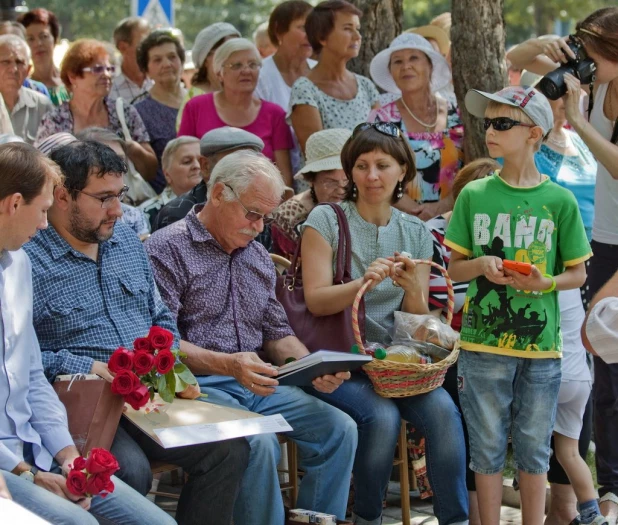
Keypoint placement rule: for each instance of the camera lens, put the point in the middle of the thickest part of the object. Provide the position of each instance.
(552, 85)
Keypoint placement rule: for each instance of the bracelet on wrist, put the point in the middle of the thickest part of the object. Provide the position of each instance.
(553, 283)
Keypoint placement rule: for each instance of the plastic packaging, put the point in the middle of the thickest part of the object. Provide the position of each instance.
(424, 328)
(405, 354)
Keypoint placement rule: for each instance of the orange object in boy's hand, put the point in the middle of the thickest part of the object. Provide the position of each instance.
(516, 266)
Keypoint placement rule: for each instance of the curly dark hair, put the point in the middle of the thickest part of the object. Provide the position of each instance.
(155, 39)
(81, 159)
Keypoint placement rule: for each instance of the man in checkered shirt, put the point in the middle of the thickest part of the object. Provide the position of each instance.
(93, 292)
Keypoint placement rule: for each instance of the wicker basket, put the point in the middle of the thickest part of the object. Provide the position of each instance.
(394, 379)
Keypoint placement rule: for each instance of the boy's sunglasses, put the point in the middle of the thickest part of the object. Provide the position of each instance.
(503, 123)
(386, 128)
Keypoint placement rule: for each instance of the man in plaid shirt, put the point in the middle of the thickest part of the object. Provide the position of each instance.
(93, 292)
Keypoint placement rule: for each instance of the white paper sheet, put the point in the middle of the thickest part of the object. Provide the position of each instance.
(207, 433)
(11, 512)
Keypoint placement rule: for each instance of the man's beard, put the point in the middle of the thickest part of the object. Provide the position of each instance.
(83, 231)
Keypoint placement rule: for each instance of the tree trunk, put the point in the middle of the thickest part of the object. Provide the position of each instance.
(478, 53)
(380, 24)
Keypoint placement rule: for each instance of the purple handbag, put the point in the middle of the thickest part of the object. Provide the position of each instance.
(328, 332)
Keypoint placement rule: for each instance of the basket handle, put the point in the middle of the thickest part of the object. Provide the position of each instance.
(450, 302)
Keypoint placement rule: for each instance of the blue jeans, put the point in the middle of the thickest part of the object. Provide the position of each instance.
(326, 439)
(124, 505)
(379, 421)
(501, 394)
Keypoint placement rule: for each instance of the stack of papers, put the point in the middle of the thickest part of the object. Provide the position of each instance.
(323, 362)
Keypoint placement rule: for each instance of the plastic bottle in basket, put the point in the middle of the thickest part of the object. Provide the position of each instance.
(372, 349)
(405, 354)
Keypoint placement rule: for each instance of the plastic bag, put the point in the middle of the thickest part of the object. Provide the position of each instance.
(424, 328)
(406, 354)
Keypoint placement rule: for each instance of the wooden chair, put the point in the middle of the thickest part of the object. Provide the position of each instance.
(160, 467)
(401, 460)
(290, 486)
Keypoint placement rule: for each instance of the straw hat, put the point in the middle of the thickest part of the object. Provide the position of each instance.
(381, 75)
(323, 151)
(435, 33)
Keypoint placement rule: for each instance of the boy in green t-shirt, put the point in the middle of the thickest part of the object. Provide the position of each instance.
(510, 369)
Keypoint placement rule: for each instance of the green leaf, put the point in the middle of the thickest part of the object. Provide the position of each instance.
(183, 372)
(180, 384)
(163, 387)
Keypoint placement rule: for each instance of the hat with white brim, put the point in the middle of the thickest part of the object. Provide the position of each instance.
(323, 151)
(531, 101)
(379, 68)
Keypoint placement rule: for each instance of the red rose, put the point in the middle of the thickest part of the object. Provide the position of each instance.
(164, 361)
(79, 463)
(121, 359)
(101, 460)
(77, 482)
(98, 483)
(125, 382)
(160, 338)
(142, 343)
(138, 398)
(143, 362)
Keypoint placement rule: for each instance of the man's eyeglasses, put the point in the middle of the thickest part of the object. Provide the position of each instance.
(99, 69)
(386, 128)
(239, 66)
(109, 201)
(252, 216)
(503, 123)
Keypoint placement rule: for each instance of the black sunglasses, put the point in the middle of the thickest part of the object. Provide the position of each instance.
(503, 123)
(386, 128)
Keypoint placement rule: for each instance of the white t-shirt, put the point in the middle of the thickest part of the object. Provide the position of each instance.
(605, 226)
(272, 87)
(574, 366)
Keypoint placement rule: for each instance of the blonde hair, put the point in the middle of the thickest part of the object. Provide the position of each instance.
(477, 169)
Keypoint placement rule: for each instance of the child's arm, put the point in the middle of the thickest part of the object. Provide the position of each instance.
(573, 277)
(462, 269)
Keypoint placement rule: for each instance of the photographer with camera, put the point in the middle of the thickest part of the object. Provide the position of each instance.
(566, 64)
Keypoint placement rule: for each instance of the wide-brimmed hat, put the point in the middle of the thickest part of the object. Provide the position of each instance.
(323, 151)
(435, 33)
(381, 75)
(532, 102)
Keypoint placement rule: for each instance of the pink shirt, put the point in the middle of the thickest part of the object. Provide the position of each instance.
(200, 116)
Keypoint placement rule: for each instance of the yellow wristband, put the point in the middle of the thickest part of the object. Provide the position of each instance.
(553, 283)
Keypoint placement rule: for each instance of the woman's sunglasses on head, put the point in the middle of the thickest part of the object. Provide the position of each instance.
(386, 128)
(503, 123)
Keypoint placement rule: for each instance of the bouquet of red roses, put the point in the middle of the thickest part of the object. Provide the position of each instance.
(91, 476)
(150, 367)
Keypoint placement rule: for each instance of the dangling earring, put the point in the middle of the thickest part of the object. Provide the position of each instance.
(313, 194)
(354, 191)
(399, 193)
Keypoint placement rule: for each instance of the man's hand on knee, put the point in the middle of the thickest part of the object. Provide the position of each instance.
(57, 484)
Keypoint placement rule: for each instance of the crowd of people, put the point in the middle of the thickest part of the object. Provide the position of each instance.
(135, 193)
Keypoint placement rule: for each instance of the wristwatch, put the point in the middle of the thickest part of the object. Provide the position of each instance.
(29, 474)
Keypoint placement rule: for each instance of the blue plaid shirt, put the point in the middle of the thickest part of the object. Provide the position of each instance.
(84, 310)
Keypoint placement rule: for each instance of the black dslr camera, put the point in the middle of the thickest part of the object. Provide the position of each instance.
(581, 67)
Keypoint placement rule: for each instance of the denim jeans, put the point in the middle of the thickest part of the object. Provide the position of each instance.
(379, 421)
(326, 439)
(501, 393)
(124, 505)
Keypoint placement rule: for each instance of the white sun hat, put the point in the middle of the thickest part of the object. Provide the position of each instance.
(440, 72)
(323, 151)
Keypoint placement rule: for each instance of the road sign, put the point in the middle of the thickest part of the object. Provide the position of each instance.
(160, 13)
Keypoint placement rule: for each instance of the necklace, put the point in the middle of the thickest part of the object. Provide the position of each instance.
(428, 127)
(557, 142)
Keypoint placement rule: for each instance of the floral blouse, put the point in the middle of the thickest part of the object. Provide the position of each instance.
(61, 119)
(439, 156)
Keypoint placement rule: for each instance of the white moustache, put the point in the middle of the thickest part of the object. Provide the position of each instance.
(251, 233)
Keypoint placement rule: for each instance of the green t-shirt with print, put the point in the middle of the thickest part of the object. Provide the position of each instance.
(539, 225)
